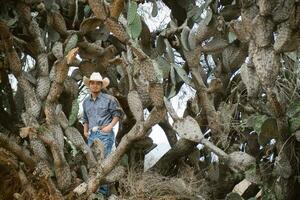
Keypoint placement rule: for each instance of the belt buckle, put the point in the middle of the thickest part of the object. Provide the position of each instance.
(95, 128)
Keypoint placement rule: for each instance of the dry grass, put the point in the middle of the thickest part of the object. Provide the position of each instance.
(287, 83)
(150, 185)
(9, 179)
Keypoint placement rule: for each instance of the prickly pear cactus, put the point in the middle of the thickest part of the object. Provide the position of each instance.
(265, 7)
(74, 136)
(55, 90)
(87, 68)
(135, 105)
(32, 103)
(263, 31)
(74, 112)
(71, 87)
(43, 87)
(98, 8)
(116, 8)
(250, 80)
(156, 115)
(142, 85)
(43, 65)
(282, 40)
(184, 38)
(188, 128)
(282, 10)
(248, 14)
(240, 161)
(117, 29)
(267, 64)
(57, 50)
(144, 95)
(144, 65)
(156, 92)
(61, 71)
(56, 20)
(58, 134)
(71, 43)
(147, 79)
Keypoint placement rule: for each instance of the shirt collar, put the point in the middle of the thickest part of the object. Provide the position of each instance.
(98, 97)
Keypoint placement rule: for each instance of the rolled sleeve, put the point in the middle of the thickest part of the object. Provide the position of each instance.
(115, 109)
(84, 117)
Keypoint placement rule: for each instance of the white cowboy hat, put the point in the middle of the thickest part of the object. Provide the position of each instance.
(96, 76)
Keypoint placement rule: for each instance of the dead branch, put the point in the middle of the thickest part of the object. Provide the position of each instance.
(20, 152)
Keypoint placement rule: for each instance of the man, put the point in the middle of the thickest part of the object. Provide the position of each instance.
(101, 112)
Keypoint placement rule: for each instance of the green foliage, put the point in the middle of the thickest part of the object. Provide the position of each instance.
(268, 131)
(175, 84)
(292, 55)
(208, 17)
(136, 27)
(268, 194)
(182, 74)
(41, 129)
(74, 151)
(294, 123)
(256, 121)
(158, 72)
(160, 45)
(172, 91)
(53, 36)
(294, 108)
(184, 38)
(252, 175)
(293, 113)
(74, 112)
(154, 11)
(195, 13)
(87, 10)
(233, 196)
(239, 176)
(163, 66)
(297, 178)
(132, 11)
(265, 127)
(134, 23)
(231, 37)
(170, 52)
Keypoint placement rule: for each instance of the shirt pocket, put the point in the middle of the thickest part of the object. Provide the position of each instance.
(90, 112)
(102, 111)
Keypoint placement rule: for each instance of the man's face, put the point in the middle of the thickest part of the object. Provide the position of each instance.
(95, 86)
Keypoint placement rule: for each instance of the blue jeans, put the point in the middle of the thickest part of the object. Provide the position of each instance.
(108, 141)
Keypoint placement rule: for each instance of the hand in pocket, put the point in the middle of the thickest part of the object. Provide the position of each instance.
(106, 129)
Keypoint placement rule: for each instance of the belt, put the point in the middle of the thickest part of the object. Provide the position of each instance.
(96, 128)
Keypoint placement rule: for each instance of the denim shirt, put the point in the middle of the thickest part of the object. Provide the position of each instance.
(99, 112)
